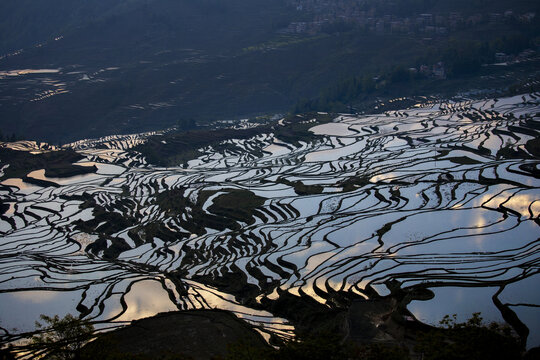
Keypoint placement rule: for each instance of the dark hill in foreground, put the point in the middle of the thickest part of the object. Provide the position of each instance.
(216, 334)
(201, 334)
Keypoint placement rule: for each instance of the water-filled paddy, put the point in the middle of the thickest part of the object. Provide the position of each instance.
(422, 197)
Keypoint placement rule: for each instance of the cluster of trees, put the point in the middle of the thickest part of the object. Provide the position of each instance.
(339, 96)
(460, 58)
(9, 138)
(186, 123)
(466, 57)
(55, 339)
(469, 340)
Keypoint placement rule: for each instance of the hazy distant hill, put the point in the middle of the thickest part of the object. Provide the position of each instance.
(134, 65)
(25, 23)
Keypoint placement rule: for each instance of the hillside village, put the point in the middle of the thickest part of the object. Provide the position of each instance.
(324, 13)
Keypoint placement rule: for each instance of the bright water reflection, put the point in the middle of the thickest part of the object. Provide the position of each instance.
(404, 197)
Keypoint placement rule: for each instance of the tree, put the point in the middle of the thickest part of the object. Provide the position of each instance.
(62, 338)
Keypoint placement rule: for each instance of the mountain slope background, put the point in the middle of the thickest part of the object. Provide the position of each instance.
(137, 65)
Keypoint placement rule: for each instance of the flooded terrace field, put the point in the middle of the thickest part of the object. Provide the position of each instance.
(443, 196)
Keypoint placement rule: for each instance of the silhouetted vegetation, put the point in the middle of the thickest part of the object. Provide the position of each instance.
(533, 146)
(237, 204)
(64, 338)
(227, 208)
(178, 148)
(61, 338)
(469, 340)
(296, 127)
(459, 58)
(300, 188)
(55, 163)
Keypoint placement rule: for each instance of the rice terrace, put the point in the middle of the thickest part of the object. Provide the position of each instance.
(435, 207)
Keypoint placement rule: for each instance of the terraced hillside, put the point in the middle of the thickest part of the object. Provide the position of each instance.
(442, 196)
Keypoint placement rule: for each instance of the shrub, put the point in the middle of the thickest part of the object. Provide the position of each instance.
(62, 338)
